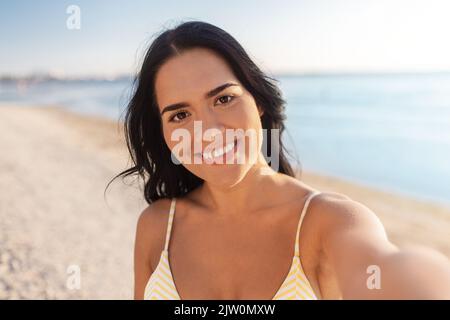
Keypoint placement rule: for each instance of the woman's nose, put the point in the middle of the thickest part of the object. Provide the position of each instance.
(209, 127)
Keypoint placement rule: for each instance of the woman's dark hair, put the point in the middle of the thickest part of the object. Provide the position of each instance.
(142, 124)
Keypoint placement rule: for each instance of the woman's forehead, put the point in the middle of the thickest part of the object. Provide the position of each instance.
(191, 74)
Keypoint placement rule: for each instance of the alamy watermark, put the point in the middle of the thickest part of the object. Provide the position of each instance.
(73, 281)
(228, 149)
(374, 280)
(73, 21)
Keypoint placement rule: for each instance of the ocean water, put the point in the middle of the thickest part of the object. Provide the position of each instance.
(390, 131)
(95, 97)
(387, 131)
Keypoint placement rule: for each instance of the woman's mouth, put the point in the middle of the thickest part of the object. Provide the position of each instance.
(221, 154)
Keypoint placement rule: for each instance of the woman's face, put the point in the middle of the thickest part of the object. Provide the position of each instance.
(215, 134)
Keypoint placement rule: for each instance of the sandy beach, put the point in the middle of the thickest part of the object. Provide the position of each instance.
(54, 166)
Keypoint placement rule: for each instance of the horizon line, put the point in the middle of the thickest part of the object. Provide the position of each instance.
(50, 76)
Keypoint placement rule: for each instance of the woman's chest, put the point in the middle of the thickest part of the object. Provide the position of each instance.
(233, 259)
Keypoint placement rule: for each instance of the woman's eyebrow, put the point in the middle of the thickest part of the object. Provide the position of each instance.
(209, 94)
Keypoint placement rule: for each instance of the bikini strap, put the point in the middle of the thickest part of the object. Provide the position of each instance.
(302, 215)
(169, 224)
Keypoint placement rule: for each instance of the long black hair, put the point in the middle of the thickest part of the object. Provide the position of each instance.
(142, 123)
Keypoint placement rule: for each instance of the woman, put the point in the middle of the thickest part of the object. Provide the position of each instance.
(234, 229)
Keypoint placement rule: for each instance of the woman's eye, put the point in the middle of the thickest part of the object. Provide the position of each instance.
(179, 116)
(225, 99)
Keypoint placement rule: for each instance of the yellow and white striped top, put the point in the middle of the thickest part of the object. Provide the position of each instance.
(296, 286)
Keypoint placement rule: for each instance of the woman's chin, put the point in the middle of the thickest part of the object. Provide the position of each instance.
(224, 175)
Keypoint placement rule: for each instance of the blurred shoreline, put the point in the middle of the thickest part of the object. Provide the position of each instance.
(55, 165)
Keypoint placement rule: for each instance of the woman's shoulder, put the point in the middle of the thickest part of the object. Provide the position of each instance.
(330, 211)
(340, 210)
(151, 225)
(335, 214)
(155, 212)
(154, 215)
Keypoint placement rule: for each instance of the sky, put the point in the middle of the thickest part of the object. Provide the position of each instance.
(298, 36)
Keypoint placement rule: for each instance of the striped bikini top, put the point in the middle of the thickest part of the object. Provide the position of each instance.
(295, 286)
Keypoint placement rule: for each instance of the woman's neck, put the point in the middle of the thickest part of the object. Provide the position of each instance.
(245, 195)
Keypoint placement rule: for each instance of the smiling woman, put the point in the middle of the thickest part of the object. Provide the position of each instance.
(245, 230)
(204, 63)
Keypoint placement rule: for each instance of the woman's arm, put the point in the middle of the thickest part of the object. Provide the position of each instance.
(367, 265)
(142, 268)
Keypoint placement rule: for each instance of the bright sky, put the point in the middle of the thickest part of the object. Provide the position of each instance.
(282, 36)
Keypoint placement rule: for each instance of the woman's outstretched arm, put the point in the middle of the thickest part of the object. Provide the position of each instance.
(367, 265)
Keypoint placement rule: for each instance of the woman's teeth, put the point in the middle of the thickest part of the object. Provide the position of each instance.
(218, 152)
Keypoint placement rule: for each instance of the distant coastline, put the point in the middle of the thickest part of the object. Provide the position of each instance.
(43, 77)
(38, 78)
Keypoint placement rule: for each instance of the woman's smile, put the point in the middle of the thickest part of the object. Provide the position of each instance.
(220, 155)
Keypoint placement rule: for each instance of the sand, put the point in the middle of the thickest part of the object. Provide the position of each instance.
(59, 237)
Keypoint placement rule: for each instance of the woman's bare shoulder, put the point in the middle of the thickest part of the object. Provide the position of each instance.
(154, 214)
(339, 211)
(151, 226)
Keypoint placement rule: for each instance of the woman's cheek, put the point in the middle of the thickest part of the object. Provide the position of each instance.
(180, 142)
(173, 141)
(167, 138)
(240, 115)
